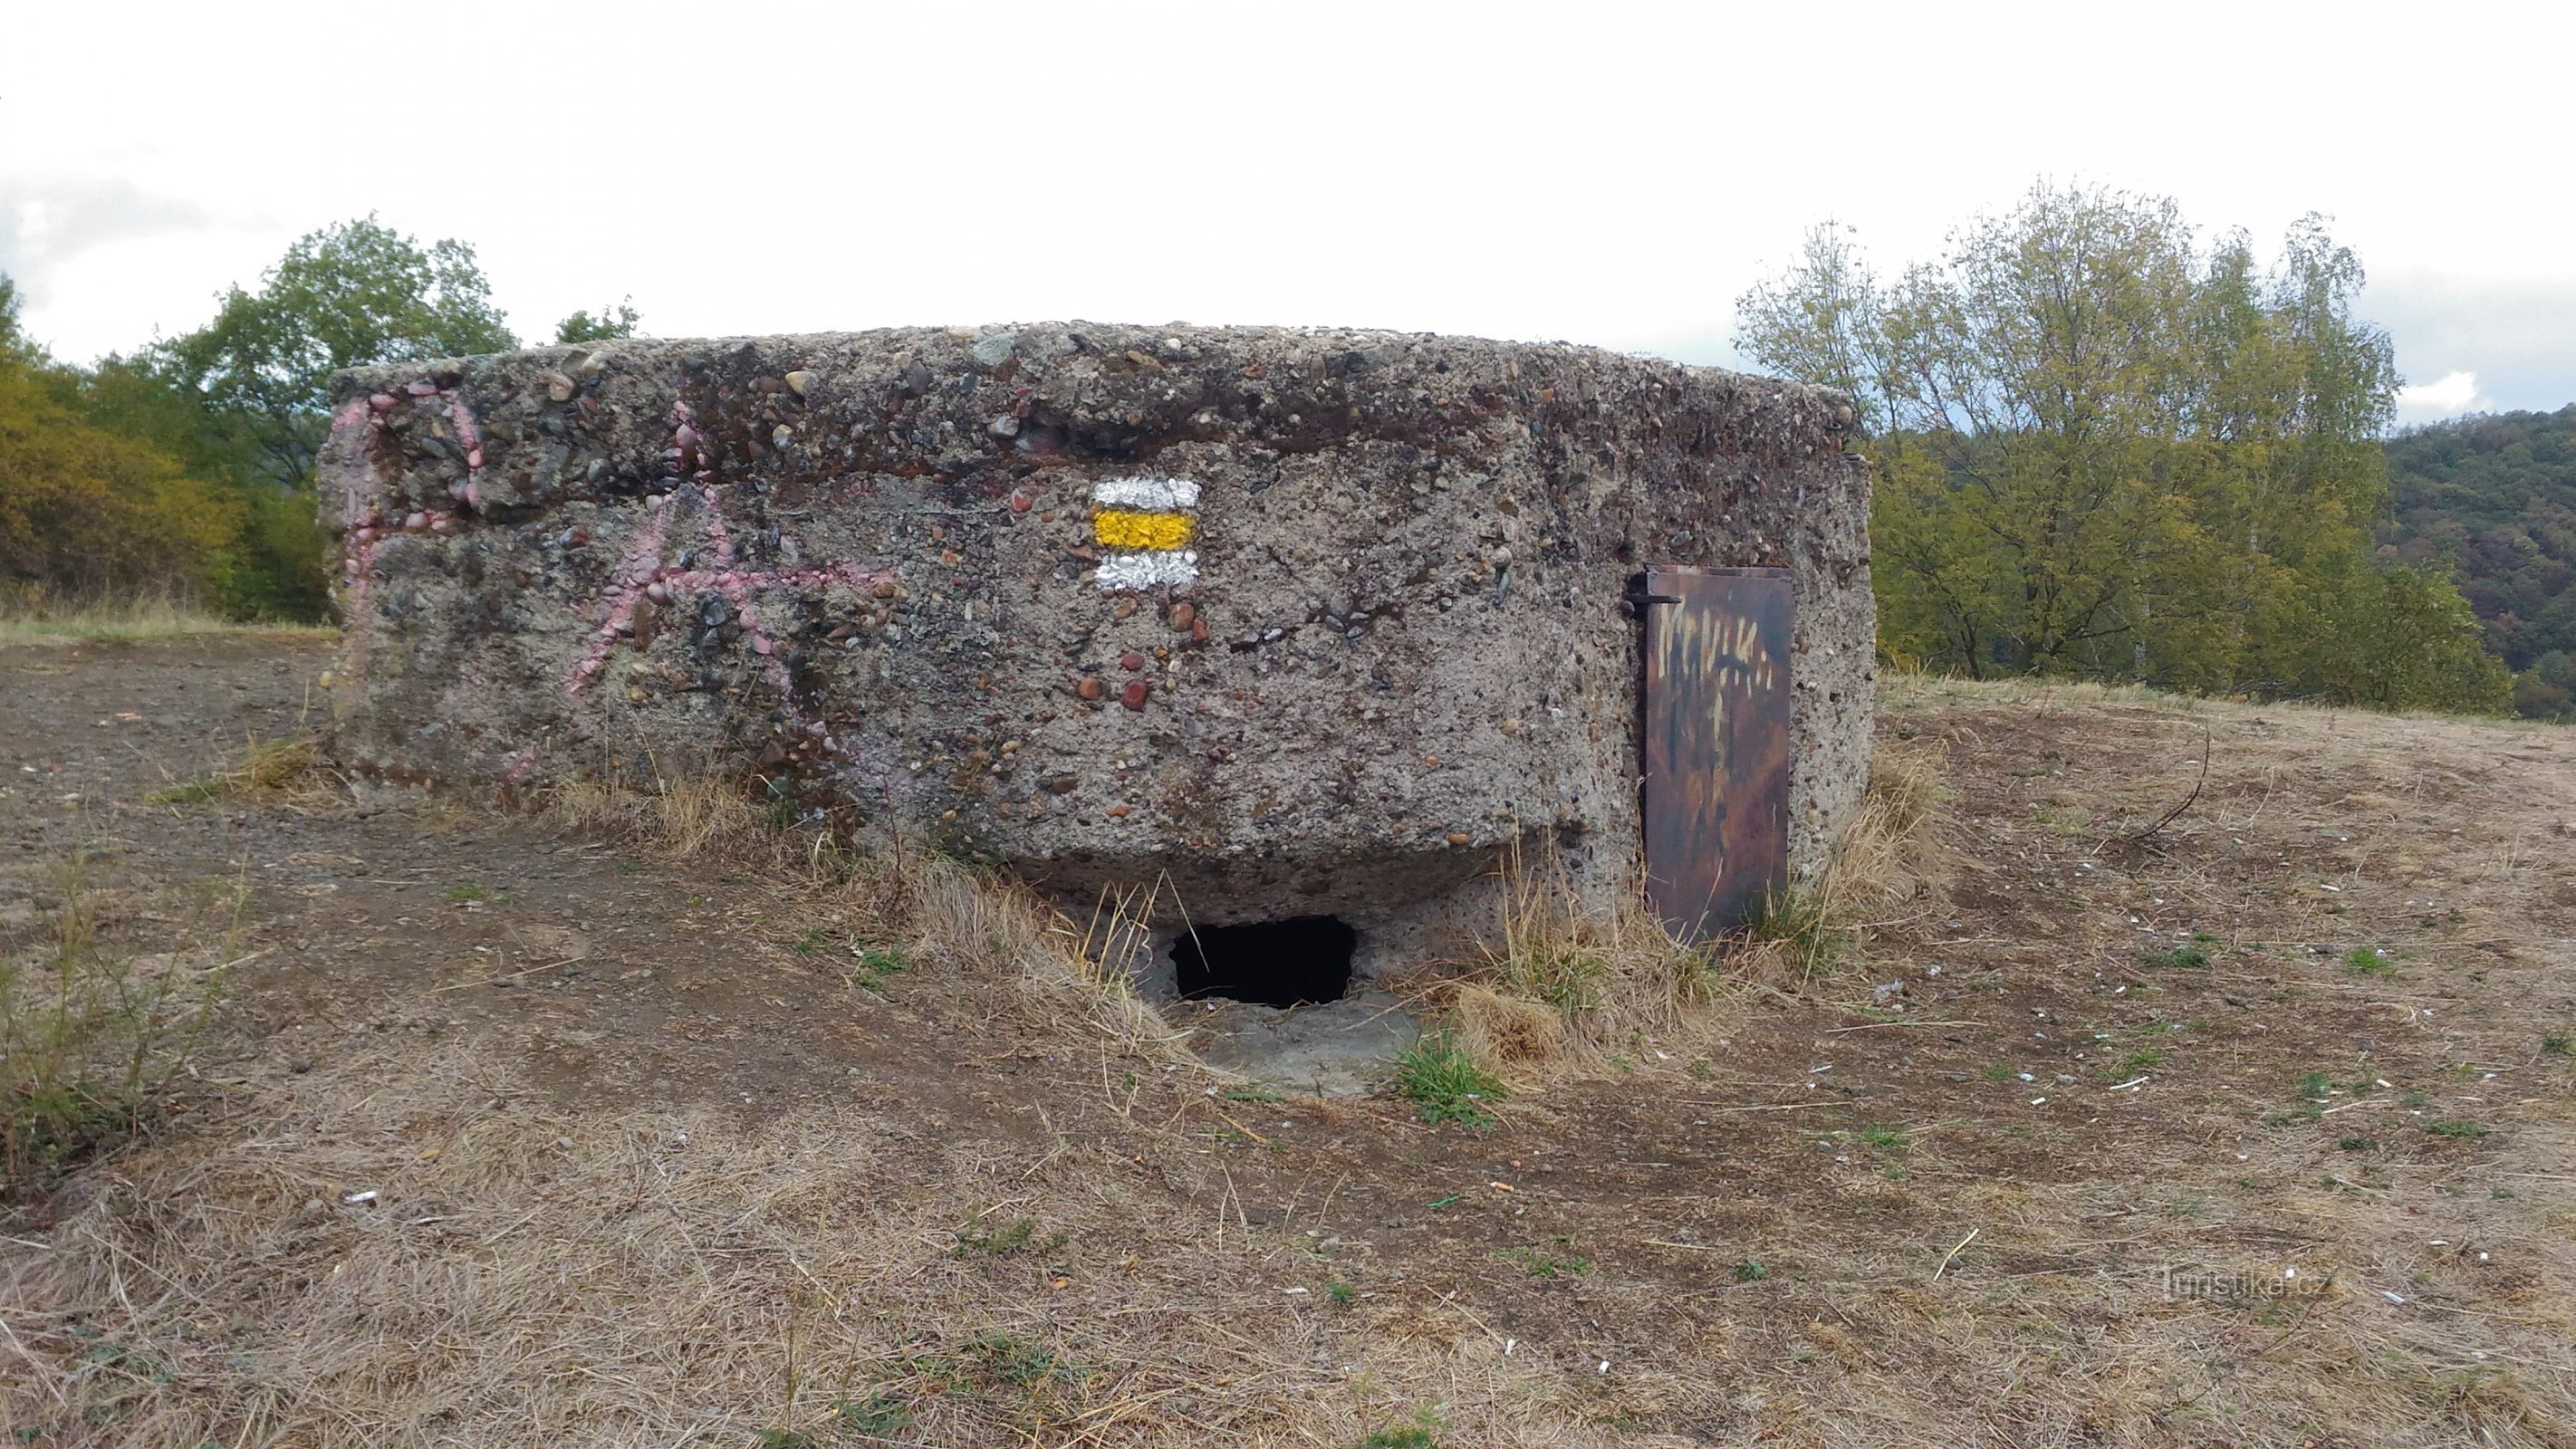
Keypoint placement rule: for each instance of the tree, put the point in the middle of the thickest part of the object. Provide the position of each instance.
(85, 510)
(14, 345)
(610, 324)
(2105, 450)
(350, 295)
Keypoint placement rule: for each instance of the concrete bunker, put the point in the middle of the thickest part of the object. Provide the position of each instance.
(1285, 625)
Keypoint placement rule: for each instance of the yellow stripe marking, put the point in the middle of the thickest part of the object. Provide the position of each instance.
(1120, 528)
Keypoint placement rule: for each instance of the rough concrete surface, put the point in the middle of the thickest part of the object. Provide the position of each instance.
(1288, 620)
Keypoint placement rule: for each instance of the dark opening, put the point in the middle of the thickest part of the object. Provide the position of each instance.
(1294, 962)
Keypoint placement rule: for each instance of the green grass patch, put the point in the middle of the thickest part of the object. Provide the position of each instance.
(1805, 922)
(879, 1415)
(1422, 1433)
(2471, 1130)
(1443, 1083)
(1006, 1240)
(2179, 956)
(1547, 1263)
(2364, 961)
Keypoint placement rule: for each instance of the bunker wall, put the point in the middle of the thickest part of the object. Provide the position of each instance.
(1288, 620)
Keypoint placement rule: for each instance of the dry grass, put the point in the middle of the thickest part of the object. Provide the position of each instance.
(40, 620)
(453, 1263)
(898, 891)
(1886, 872)
(290, 770)
(416, 1245)
(680, 816)
(988, 925)
(1567, 979)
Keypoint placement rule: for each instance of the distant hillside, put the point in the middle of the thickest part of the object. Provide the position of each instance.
(2498, 492)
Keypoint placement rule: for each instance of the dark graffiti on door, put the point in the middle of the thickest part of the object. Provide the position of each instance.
(1716, 743)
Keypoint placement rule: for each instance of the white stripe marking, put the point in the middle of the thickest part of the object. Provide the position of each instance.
(1147, 494)
(1149, 570)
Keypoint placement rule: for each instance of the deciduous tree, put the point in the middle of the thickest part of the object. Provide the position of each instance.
(2106, 450)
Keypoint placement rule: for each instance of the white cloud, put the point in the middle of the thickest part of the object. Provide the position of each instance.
(2453, 394)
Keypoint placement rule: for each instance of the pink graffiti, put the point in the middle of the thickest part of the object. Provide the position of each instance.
(467, 492)
(641, 579)
(349, 467)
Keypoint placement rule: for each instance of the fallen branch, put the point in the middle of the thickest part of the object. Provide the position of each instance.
(2140, 838)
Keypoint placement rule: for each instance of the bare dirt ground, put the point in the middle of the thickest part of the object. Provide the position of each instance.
(505, 1134)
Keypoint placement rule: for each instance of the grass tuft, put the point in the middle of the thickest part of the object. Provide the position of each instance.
(1444, 1083)
(91, 1035)
(274, 768)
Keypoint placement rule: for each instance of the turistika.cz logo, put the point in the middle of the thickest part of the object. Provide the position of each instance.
(2193, 1281)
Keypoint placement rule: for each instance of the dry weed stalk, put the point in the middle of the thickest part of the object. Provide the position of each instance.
(92, 1031)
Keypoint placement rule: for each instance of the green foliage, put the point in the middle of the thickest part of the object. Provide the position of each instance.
(2471, 1130)
(879, 1414)
(1008, 1240)
(2179, 956)
(1342, 1294)
(1751, 1271)
(2106, 450)
(2493, 500)
(1804, 921)
(1000, 1359)
(1444, 1083)
(187, 468)
(871, 965)
(2363, 961)
(346, 296)
(611, 324)
(1422, 1433)
(85, 511)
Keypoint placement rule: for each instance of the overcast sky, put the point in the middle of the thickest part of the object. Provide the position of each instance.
(1602, 173)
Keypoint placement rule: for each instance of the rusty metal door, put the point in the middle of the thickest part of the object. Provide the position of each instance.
(1716, 744)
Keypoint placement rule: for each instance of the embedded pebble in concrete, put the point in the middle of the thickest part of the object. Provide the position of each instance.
(1339, 554)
